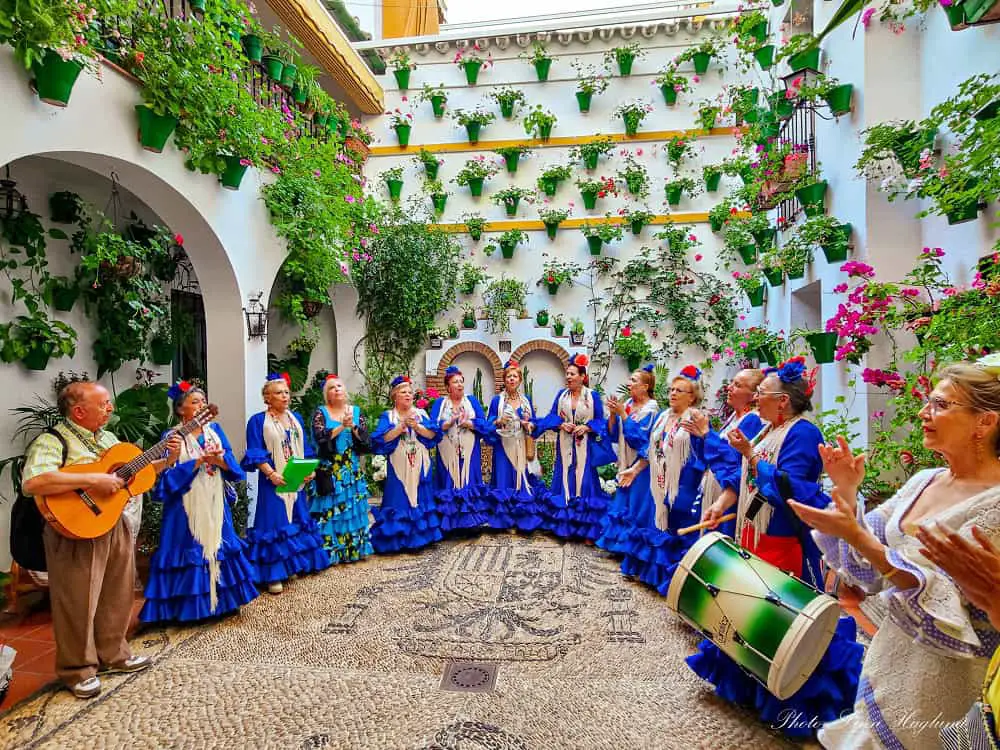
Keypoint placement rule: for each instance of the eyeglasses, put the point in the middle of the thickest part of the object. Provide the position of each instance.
(759, 392)
(936, 404)
(680, 390)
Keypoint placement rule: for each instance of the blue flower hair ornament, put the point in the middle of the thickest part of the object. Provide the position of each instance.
(452, 370)
(398, 381)
(793, 370)
(648, 368)
(280, 376)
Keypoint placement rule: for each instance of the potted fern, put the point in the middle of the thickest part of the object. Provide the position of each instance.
(511, 197)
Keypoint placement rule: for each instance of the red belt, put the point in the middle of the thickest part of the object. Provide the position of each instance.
(783, 552)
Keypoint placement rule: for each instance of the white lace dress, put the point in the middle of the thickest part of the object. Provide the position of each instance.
(926, 664)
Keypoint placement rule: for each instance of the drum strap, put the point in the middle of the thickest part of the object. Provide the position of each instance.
(785, 489)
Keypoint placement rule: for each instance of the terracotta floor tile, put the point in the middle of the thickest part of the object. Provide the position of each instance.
(43, 663)
(22, 685)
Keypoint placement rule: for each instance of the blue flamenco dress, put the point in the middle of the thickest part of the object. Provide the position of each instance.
(666, 503)
(631, 434)
(342, 515)
(283, 541)
(575, 505)
(788, 466)
(724, 463)
(459, 490)
(407, 519)
(515, 492)
(181, 579)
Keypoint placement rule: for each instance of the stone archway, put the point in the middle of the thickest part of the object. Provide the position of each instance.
(436, 380)
(541, 345)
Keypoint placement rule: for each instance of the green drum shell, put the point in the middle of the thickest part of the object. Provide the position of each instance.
(786, 645)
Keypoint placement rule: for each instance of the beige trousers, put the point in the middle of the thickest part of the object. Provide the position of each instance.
(91, 586)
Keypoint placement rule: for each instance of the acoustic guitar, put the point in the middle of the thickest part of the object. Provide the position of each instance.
(80, 514)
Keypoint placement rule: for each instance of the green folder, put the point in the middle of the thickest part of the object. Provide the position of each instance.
(296, 470)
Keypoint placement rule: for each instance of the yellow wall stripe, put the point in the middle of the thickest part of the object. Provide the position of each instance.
(690, 217)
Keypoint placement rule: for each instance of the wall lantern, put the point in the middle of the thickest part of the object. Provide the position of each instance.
(256, 317)
(12, 201)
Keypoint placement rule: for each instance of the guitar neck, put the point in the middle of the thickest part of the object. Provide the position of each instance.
(156, 451)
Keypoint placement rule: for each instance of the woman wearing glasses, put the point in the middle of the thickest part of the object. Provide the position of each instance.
(781, 463)
(670, 494)
(927, 662)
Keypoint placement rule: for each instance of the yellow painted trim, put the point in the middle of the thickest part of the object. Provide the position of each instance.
(642, 137)
(311, 23)
(690, 217)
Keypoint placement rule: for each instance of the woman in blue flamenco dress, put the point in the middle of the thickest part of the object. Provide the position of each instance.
(459, 491)
(668, 500)
(629, 425)
(783, 463)
(200, 568)
(407, 518)
(340, 497)
(513, 498)
(575, 505)
(284, 540)
(723, 463)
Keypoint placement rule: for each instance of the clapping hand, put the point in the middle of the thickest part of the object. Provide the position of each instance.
(838, 519)
(845, 470)
(214, 456)
(697, 423)
(740, 443)
(580, 430)
(974, 566)
(567, 427)
(615, 406)
(411, 422)
(348, 422)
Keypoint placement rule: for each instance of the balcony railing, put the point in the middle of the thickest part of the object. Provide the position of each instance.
(799, 129)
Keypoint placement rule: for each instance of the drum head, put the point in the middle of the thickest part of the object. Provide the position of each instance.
(803, 647)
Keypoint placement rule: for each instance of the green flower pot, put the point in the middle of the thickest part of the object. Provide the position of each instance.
(631, 123)
(553, 290)
(197, 5)
(431, 170)
(969, 212)
(253, 47)
(765, 238)
(781, 106)
(559, 329)
(468, 322)
(590, 161)
(756, 297)
(989, 112)
(551, 228)
(759, 32)
(583, 99)
(625, 64)
(669, 95)
(55, 78)
(542, 68)
(507, 249)
(836, 250)
(594, 243)
(549, 187)
(232, 175)
(273, 66)
(472, 68)
(765, 56)
(439, 200)
(701, 61)
(633, 363)
(63, 298)
(796, 273)
(36, 359)
(476, 186)
(154, 129)
(839, 99)
(544, 132)
(589, 200)
(637, 226)
(510, 206)
(634, 184)
(476, 234)
(472, 130)
(300, 94)
(395, 188)
(774, 276)
(715, 224)
(510, 161)
(811, 197)
(468, 289)
(767, 354)
(402, 78)
(748, 254)
(542, 319)
(674, 193)
(161, 352)
(712, 181)
(748, 100)
(506, 110)
(808, 59)
(823, 345)
(288, 75)
(403, 134)
(437, 105)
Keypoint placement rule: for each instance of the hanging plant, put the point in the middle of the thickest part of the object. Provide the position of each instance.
(511, 197)
(752, 284)
(548, 181)
(539, 122)
(393, 179)
(474, 174)
(678, 148)
(438, 195)
(701, 54)
(677, 187)
(507, 98)
(471, 60)
(436, 96)
(601, 233)
(589, 153)
(802, 52)
(402, 65)
(552, 218)
(430, 163)
(636, 218)
(635, 177)
(591, 190)
(473, 121)
(634, 347)
(540, 59)
(632, 114)
(512, 155)
(555, 273)
(470, 276)
(589, 83)
(402, 123)
(502, 296)
(712, 175)
(64, 207)
(708, 115)
(475, 224)
(508, 242)
(671, 83)
(624, 57)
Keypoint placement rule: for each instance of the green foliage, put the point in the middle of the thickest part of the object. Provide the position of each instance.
(501, 296)
(416, 266)
(507, 96)
(537, 120)
(478, 168)
(633, 344)
(589, 79)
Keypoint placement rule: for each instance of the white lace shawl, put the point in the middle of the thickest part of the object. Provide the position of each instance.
(457, 444)
(669, 450)
(512, 438)
(584, 413)
(274, 439)
(626, 453)
(767, 447)
(711, 490)
(204, 505)
(411, 459)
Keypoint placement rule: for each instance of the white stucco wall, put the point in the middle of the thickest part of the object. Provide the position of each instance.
(556, 95)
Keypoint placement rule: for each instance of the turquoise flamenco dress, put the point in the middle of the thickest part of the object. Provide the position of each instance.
(407, 518)
(342, 515)
(280, 547)
(180, 578)
(575, 505)
(513, 501)
(830, 691)
(460, 507)
(631, 434)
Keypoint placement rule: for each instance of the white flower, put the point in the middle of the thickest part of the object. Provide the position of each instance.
(609, 486)
(990, 363)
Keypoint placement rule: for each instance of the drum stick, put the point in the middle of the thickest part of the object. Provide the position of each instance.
(706, 524)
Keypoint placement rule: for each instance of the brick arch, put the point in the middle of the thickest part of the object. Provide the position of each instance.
(437, 379)
(541, 345)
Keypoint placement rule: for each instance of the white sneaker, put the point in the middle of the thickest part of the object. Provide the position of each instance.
(134, 663)
(89, 688)
(275, 588)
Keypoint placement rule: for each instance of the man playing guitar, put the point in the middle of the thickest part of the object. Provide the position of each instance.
(91, 581)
